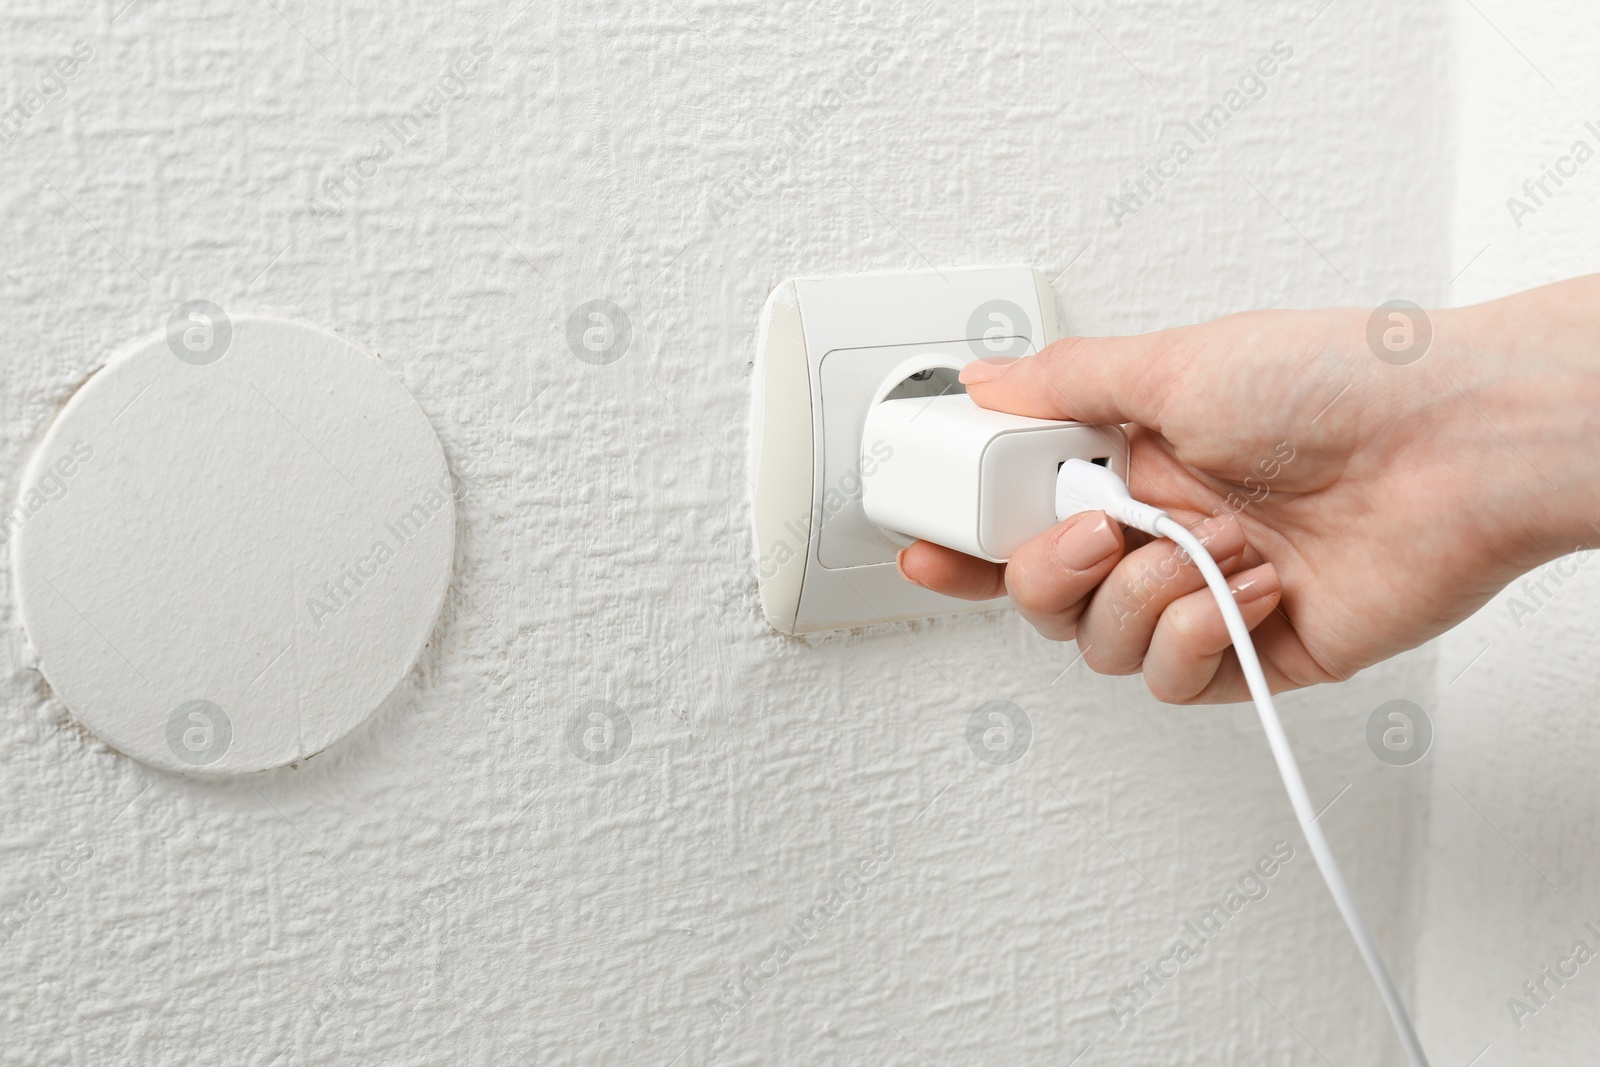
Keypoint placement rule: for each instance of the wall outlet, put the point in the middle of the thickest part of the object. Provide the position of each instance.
(826, 346)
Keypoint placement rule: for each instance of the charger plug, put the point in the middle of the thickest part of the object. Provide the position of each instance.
(982, 482)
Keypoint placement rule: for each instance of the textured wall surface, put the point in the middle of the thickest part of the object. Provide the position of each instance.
(1512, 874)
(452, 883)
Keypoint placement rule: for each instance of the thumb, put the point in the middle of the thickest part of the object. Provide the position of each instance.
(1083, 379)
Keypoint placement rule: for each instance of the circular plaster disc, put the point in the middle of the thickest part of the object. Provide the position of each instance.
(232, 543)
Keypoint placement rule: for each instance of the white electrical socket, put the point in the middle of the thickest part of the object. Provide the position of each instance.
(826, 346)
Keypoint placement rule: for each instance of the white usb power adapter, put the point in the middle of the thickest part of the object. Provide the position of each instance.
(982, 482)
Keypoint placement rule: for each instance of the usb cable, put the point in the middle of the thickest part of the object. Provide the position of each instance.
(1084, 486)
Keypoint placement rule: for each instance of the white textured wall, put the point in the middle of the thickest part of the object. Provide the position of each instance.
(1512, 873)
(451, 884)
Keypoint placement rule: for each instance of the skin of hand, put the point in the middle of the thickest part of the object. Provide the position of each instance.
(1359, 506)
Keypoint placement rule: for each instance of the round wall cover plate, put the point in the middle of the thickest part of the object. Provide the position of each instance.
(232, 543)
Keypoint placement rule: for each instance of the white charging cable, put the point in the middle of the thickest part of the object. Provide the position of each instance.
(1084, 486)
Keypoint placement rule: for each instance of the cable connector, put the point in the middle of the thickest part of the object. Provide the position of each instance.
(1085, 486)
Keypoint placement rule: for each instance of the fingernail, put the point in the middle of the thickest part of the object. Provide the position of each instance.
(986, 369)
(1258, 585)
(900, 565)
(1089, 542)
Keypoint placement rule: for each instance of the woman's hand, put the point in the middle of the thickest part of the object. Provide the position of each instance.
(1360, 505)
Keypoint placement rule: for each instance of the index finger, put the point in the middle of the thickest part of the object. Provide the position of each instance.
(1051, 577)
(1084, 379)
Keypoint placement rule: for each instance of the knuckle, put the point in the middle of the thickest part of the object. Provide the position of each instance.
(1137, 587)
(1105, 657)
(1037, 606)
(1055, 629)
(1034, 597)
(1162, 687)
(1058, 354)
(1052, 625)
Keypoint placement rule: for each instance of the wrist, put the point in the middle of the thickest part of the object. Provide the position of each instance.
(1523, 377)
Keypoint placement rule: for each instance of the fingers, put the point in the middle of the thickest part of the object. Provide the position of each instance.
(952, 573)
(1189, 648)
(1051, 577)
(1116, 630)
(1152, 611)
(1085, 379)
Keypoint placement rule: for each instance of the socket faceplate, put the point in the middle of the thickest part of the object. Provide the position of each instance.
(825, 347)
